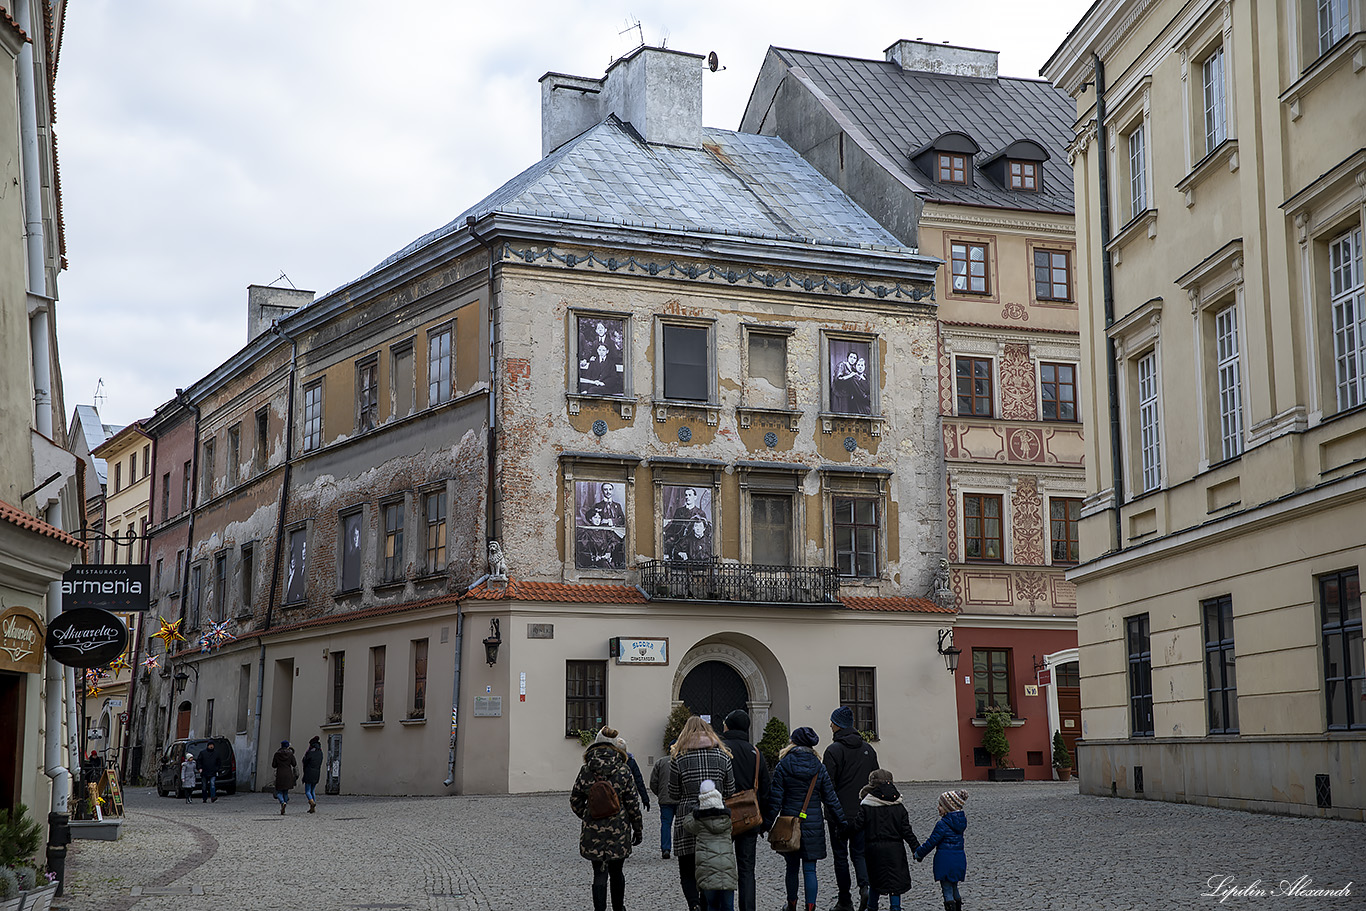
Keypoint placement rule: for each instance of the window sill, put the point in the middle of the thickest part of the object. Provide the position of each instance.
(662, 408)
(828, 419)
(1145, 221)
(1014, 722)
(745, 415)
(433, 576)
(390, 585)
(1353, 46)
(349, 593)
(332, 726)
(625, 404)
(373, 724)
(410, 722)
(1224, 153)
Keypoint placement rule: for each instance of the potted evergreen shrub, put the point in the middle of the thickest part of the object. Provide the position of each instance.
(994, 741)
(1062, 760)
(774, 739)
(673, 725)
(20, 839)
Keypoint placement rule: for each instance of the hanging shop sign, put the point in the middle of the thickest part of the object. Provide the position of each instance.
(21, 641)
(86, 637)
(120, 587)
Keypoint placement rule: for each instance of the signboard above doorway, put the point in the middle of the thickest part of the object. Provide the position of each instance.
(639, 651)
(86, 637)
(122, 587)
(21, 641)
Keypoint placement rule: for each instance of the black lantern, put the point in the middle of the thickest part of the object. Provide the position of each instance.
(951, 653)
(181, 678)
(492, 642)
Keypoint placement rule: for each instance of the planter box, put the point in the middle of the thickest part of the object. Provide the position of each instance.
(97, 829)
(1064, 773)
(13, 904)
(39, 899)
(1005, 774)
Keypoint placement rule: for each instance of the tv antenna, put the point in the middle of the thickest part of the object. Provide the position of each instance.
(99, 396)
(640, 32)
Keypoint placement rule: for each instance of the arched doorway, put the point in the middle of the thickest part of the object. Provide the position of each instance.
(182, 722)
(713, 690)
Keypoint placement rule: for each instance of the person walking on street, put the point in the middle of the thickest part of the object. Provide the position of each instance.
(313, 767)
(709, 825)
(743, 756)
(799, 773)
(604, 797)
(209, 764)
(946, 841)
(698, 755)
(886, 828)
(850, 760)
(187, 774)
(635, 775)
(286, 773)
(659, 783)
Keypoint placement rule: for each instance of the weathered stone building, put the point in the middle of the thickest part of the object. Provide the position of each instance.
(971, 167)
(686, 384)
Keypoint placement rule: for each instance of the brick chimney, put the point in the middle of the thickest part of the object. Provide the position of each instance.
(657, 91)
(946, 59)
(265, 304)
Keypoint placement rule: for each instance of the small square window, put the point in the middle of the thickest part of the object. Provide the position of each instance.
(1052, 275)
(855, 528)
(1024, 175)
(974, 386)
(1058, 388)
(953, 168)
(687, 363)
(982, 527)
(969, 264)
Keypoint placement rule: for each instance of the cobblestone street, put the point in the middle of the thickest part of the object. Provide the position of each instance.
(1030, 846)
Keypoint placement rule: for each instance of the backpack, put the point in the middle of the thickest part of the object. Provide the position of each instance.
(602, 799)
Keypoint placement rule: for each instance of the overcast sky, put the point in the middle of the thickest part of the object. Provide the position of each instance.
(206, 146)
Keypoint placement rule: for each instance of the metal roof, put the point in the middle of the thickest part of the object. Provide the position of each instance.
(736, 184)
(901, 111)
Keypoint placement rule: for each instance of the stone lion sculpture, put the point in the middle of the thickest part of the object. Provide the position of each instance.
(498, 564)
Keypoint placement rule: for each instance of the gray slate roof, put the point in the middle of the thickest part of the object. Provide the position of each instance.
(901, 111)
(736, 184)
(95, 432)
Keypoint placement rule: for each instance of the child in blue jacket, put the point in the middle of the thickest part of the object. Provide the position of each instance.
(950, 861)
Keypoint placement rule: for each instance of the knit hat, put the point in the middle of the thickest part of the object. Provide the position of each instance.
(842, 717)
(283, 744)
(951, 801)
(805, 737)
(738, 720)
(709, 798)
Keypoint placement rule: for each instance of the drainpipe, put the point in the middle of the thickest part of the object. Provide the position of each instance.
(455, 694)
(1107, 279)
(184, 400)
(279, 542)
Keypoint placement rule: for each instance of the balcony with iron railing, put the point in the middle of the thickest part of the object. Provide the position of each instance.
(753, 583)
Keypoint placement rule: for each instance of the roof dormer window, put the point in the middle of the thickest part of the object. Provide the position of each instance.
(1024, 175)
(953, 168)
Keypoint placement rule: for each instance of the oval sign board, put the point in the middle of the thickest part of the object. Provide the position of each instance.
(86, 637)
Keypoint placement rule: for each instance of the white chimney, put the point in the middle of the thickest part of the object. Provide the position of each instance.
(945, 59)
(657, 91)
(266, 304)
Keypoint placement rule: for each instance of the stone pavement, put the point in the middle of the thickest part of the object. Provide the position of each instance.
(1032, 845)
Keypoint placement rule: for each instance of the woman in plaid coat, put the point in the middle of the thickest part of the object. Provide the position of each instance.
(698, 755)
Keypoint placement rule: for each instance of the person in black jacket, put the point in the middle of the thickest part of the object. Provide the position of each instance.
(209, 763)
(313, 766)
(743, 755)
(886, 828)
(850, 760)
(634, 767)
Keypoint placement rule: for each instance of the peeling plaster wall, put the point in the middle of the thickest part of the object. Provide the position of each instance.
(538, 306)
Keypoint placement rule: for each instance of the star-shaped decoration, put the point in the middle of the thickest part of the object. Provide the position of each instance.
(169, 633)
(151, 663)
(94, 691)
(120, 664)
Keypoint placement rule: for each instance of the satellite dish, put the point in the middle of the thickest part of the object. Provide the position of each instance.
(713, 62)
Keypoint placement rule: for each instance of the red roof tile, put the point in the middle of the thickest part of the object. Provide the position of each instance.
(6, 17)
(16, 516)
(579, 593)
(901, 605)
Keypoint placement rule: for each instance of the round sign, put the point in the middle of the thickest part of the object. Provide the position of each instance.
(86, 637)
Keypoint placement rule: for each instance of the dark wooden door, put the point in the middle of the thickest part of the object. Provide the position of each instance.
(713, 690)
(1069, 705)
(182, 722)
(13, 696)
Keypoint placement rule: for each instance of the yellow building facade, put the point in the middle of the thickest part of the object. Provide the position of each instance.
(1220, 186)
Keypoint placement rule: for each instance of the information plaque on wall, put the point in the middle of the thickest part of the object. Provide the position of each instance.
(488, 706)
(640, 651)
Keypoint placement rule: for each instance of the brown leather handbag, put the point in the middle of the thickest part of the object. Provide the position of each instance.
(745, 814)
(786, 835)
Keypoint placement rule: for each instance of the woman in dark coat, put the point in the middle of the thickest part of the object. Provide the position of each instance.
(797, 765)
(886, 828)
(607, 841)
(699, 755)
(313, 767)
(286, 773)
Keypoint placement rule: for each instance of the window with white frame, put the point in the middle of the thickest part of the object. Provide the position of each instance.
(1138, 182)
(1347, 285)
(1216, 112)
(313, 416)
(1230, 384)
(1149, 431)
(440, 365)
(1334, 18)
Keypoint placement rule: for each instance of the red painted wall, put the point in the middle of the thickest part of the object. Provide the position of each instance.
(1025, 646)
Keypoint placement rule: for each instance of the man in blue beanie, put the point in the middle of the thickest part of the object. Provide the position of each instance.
(850, 760)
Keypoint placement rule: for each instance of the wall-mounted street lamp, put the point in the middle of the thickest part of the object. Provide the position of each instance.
(951, 653)
(181, 678)
(491, 644)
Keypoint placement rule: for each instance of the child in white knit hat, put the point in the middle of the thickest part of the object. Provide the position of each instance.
(716, 873)
(950, 860)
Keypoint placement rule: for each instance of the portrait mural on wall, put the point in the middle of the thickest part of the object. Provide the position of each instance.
(850, 376)
(687, 523)
(600, 525)
(295, 577)
(602, 356)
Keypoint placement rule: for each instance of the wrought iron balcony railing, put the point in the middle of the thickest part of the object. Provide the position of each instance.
(713, 580)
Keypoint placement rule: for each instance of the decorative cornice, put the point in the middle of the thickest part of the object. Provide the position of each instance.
(938, 216)
(822, 284)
